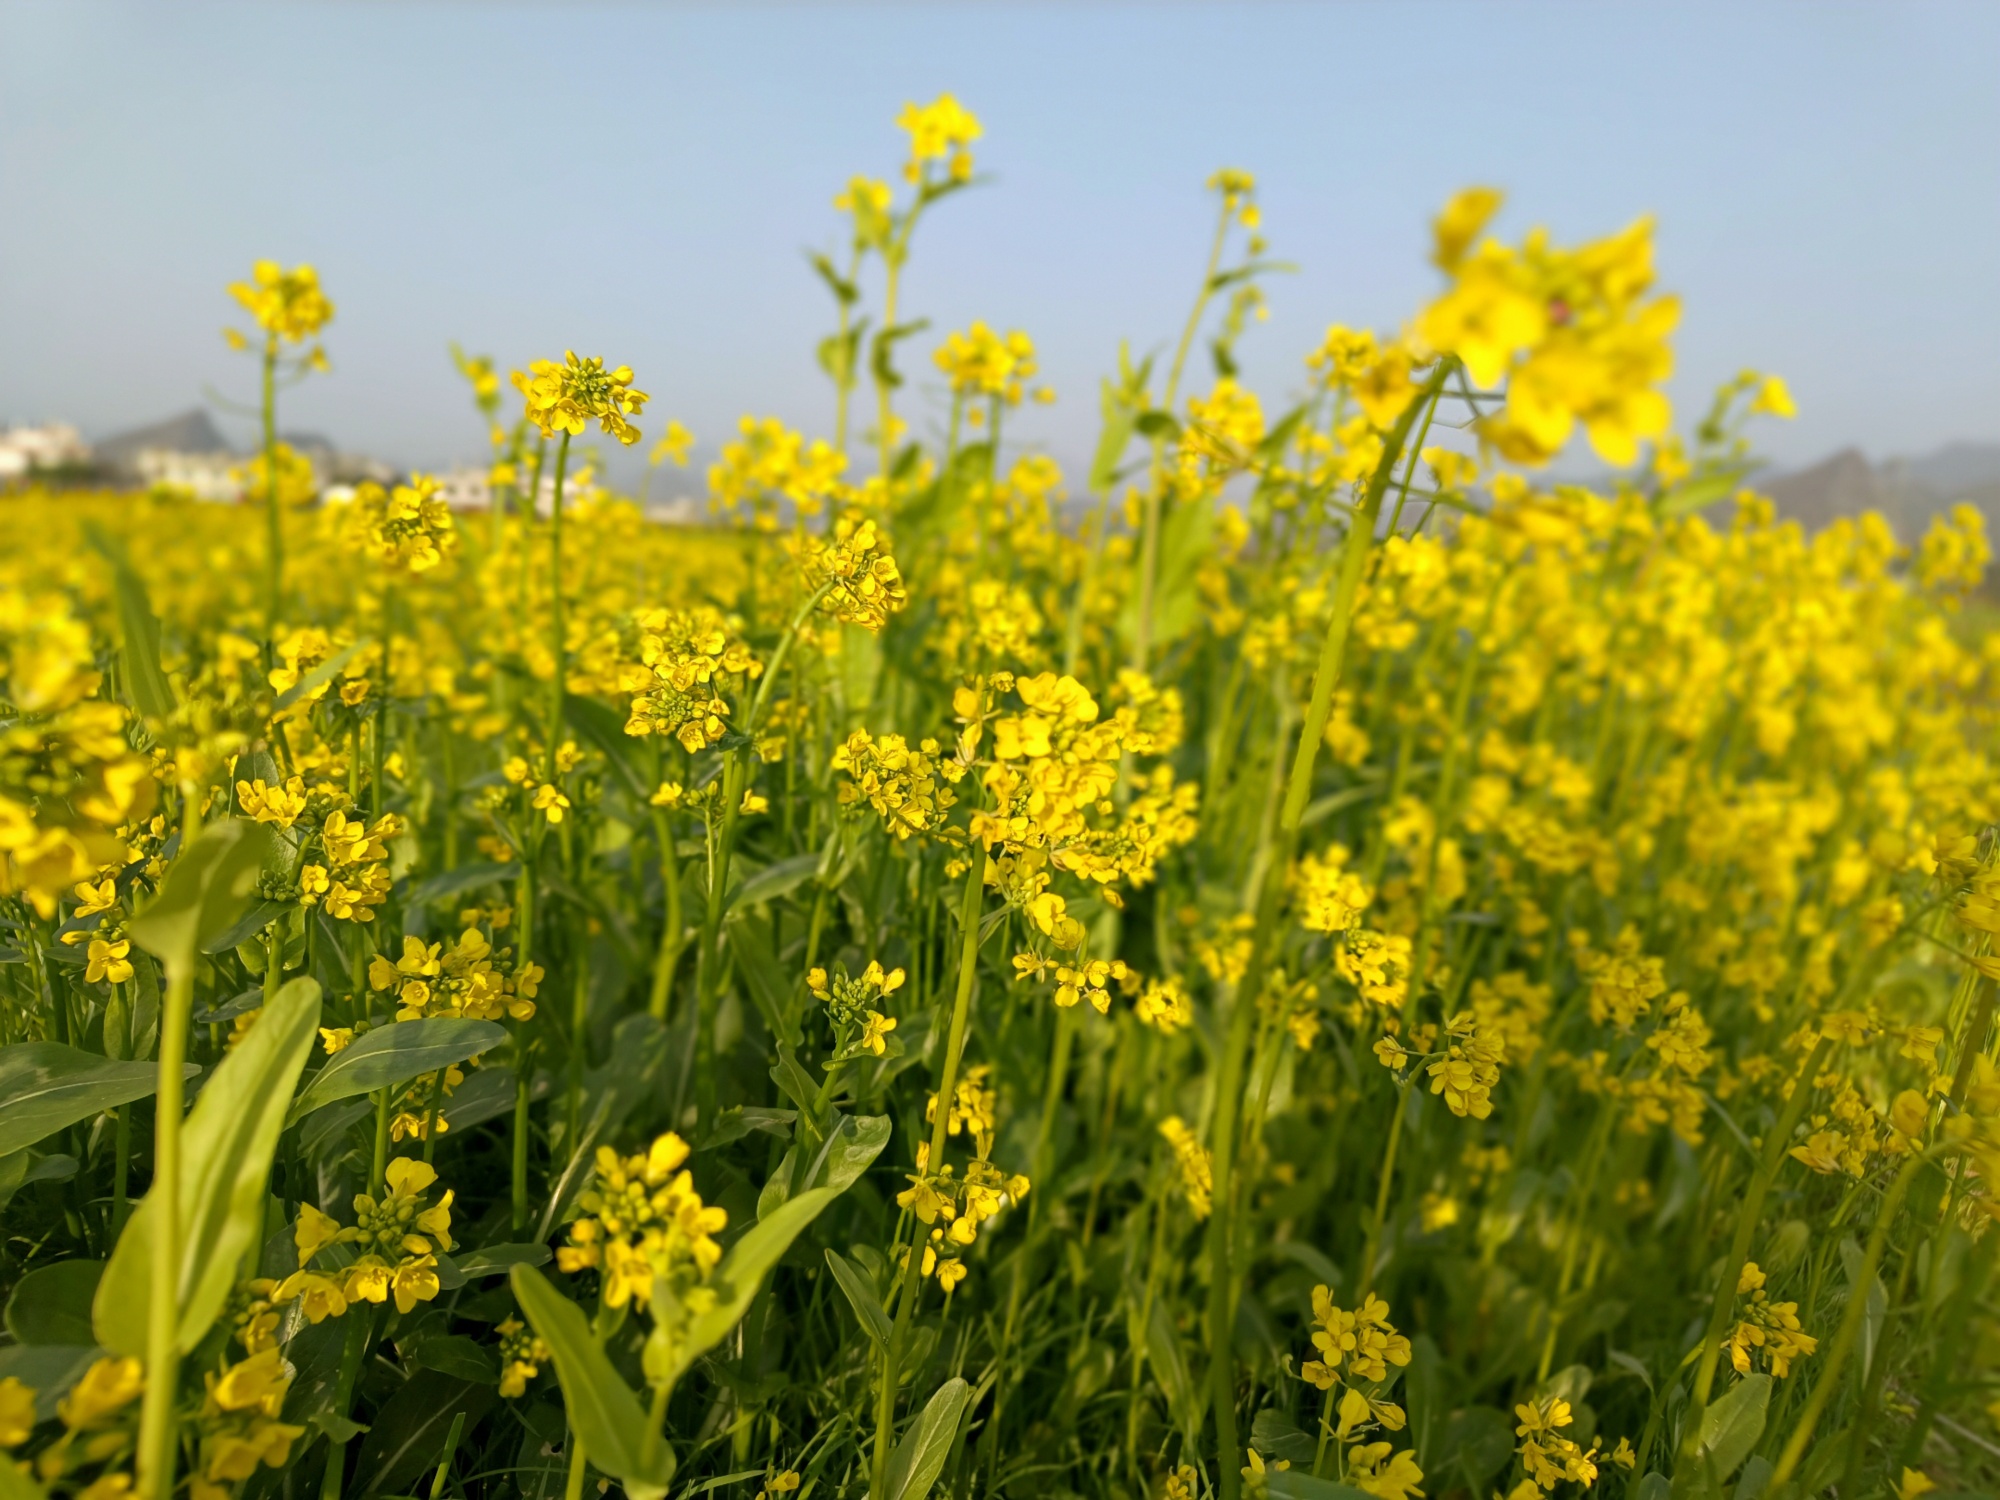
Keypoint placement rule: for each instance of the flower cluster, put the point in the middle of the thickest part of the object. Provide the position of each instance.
(1571, 332)
(644, 1220)
(406, 529)
(287, 305)
(1546, 1454)
(910, 790)
(953, 1208)
(1767, 1328)
(852, 573)
(681, 659)
(850, 1005)
(397, 1240)
(567, 397)
(464, 979)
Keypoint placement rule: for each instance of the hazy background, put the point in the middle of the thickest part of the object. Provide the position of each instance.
(642, 181)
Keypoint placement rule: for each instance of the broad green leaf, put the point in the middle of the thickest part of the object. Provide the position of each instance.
(23, 1167)
(51, 1304)
(1480, 1440)
(394, 1054)
(464, 878)
(255, 919)
(1730, 1427)
(206, 890)
(1275, 1435)
(410, 1431)
(849, 1148)
(735, 1283)
(919, 1458)
(49, 1370)
(1424, 1396)
(498, 1260)
(226, 1150)
(775, 880)
(455, 1355)
(45, 1086)
(603, 1410)
(861, 1297)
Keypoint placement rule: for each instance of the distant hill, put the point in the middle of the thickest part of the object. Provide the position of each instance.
(190, 432)
(1906, 491)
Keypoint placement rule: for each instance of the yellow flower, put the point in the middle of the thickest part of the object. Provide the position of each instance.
(943, 128)
(108, 961)
(106, 1388)
(675, 445)
(17, 1412)
(567, 397)
(92, 899)
(285, 304)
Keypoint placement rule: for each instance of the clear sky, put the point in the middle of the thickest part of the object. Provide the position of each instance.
(642, 181)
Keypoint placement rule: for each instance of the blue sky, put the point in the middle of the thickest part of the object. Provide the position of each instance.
(642, 181)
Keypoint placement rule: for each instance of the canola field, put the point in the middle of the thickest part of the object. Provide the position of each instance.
(1305, 961)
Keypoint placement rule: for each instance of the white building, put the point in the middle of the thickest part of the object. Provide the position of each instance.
(49, 446)
(206, 476)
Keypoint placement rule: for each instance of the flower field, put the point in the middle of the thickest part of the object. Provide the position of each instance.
(1305, 960)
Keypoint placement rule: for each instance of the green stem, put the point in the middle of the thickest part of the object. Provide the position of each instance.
(673, 935)
(274, 545)
(156, 1425)
(954, 1048)
(524, 1067)
(1243, 998)
(1688, 1465)
(1845, 1336)
(1364, 1281)
(558, 637)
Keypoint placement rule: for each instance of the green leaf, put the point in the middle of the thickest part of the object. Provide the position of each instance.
(775, 880)
(49, 1370)
(861, 1297)
(51, 1304)
(605, 1414)
(498, 1260)
(850, 1146)
(206, 890)
(261, 914)
(45, 1086)
(319, 676)
(1730, 1427)
(1163, 1348)
(630, 756)
(145, 683)
(734, 1283)
(1275, 1435)
(1424, 1396)
(226, 1150)
(1111, 441)
(1480, 1440)
(394, 1054)
(919, 1458)
(1158, 424)
(455, 1355)
(464, 878)
(410, 1431)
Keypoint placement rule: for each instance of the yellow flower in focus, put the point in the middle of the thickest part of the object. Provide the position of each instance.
(567, 397)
